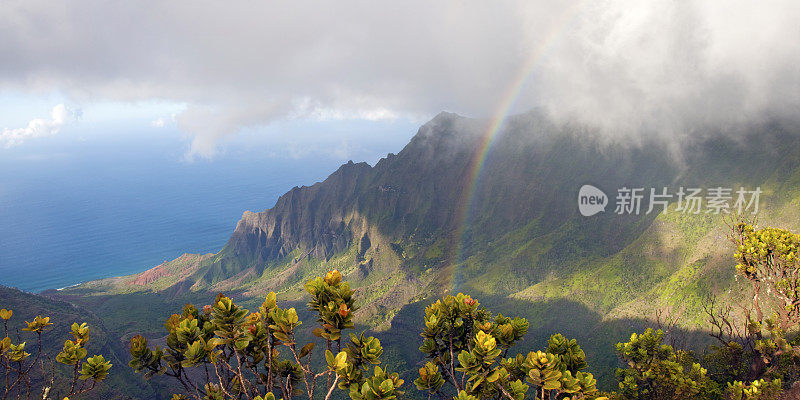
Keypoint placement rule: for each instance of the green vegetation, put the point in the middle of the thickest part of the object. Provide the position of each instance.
(466, 347)
(457, 326)
(755, 358)
(248, 355)
(26, 374)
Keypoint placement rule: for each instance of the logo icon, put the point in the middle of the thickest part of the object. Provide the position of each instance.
(591, 200)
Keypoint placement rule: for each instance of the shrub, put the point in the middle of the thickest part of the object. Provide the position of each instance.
(458, 329)
(228, 352)
(656, 371)
(20, 369)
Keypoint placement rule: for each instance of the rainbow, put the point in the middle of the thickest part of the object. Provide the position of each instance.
(496, 122)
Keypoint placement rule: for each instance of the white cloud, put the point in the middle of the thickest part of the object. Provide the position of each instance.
(161, 122)
(624, 65)
(38, 127)
(378, 114)
(674, 67)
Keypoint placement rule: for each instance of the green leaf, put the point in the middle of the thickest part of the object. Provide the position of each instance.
(341, 360)
(241, 344)
(330, 359)
(306, 349)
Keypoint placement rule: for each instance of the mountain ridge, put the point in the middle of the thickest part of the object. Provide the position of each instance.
(411, 200)
(417, 225)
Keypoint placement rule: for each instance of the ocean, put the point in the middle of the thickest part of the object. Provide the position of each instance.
(103, 206)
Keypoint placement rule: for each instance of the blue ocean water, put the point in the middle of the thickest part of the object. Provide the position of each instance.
(102, 206)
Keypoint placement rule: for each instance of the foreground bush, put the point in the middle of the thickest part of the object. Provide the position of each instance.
(470, 345)
(227, 352)
(759, 354)
(656, 371)
(27, 376)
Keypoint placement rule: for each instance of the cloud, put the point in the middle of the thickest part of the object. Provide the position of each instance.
(622, 65)
(39, 127)
(675, 67)
(208, 123)
(161, 122)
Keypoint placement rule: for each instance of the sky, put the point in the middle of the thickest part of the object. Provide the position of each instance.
(325, 75)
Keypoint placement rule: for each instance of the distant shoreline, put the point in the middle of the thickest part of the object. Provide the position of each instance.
(67, 287)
